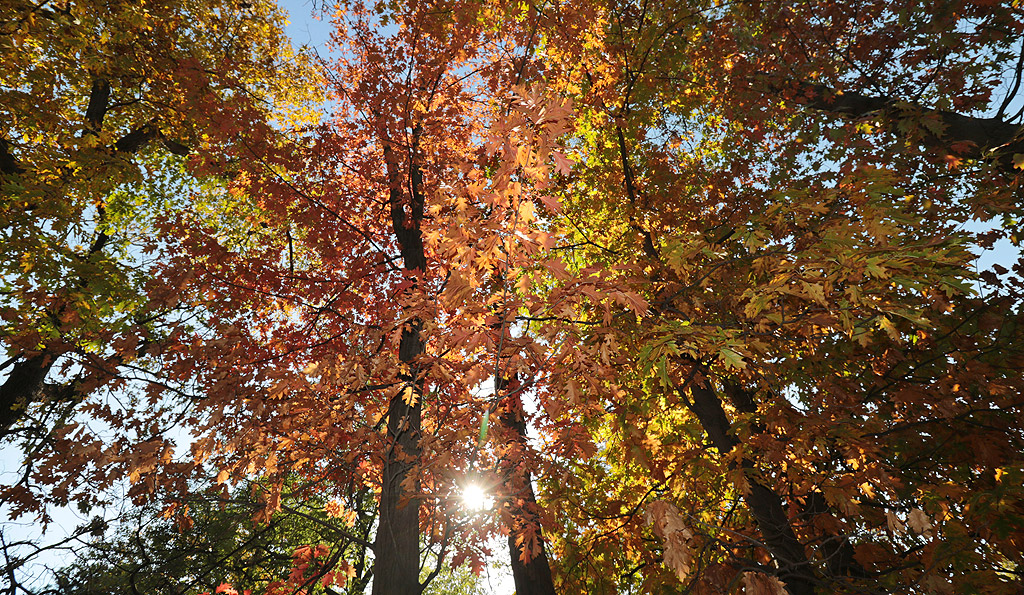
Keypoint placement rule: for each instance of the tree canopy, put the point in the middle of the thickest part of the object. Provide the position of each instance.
(690, 288)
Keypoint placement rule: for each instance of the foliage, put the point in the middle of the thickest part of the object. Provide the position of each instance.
(723, 249)
(782, 187)
(210, 544)
(346, 343)
(207, 542)
(115, 114)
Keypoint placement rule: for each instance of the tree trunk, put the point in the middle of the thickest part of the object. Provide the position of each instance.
(532, 575)
(397, 546)
(22, 387)
(837, 551)
(766, 506)
(396, 550)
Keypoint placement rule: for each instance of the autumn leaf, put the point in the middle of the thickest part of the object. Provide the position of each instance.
(563, 165)
(711, 310)
(894, 523)
(666, 522)
(919, 522)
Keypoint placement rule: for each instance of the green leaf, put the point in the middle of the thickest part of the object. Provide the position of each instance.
(731, 359)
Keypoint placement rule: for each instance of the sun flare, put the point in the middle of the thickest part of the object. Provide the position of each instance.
(475, 498)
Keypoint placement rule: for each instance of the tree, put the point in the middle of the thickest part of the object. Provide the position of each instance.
(747, 313)
(117, 116)
(346, 343)
(210, 540)
(101, 104)
(797, 398)
(207, 542)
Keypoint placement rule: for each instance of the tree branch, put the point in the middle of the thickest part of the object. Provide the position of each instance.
(137, 138)
(766, 506)
(8, 164)
(99, 99)
(977, 138)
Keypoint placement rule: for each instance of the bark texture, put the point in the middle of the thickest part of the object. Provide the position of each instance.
(396, 548)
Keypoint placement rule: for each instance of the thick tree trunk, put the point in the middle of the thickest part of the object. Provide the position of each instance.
(532, 576)
(396, 548)
(396, 551)
(766, 506)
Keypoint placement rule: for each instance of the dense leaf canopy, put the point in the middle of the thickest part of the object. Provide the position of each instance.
(691, 287)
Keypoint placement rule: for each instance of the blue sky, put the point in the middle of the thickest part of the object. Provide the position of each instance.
(303, 29)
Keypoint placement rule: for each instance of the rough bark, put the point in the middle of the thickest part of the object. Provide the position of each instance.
(396, 547)
(532, 576)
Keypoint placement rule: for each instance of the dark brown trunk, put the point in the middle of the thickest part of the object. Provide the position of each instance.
(766, 506)
(22, 387)
(99, 100)
(978, 138)
(836, 549)
(396, 550)
(8, 164)
(532, 576)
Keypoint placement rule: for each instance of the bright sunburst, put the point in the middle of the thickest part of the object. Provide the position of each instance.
(475, 498)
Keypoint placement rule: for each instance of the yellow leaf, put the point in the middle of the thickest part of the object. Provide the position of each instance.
(815, 291)
(886, 325)
(867, 489)
(409, 395)
(526, 211)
